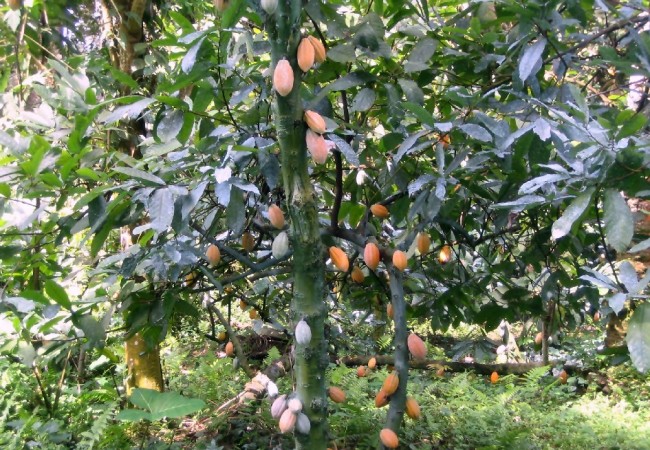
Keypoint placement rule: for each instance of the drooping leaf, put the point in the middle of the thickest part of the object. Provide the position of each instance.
(619, 223)
(563, 225)
(58, 294)
(531, 59)
(638, 337)
(165, 404)
(161, 209)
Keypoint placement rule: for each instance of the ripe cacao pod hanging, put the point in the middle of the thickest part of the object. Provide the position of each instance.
(317, 147)
(388, 438)
(279, 406)
(253, 314)
(280, 245)
(276, 216)
(445, 254)
(213, 255)
(247, 241)
(361, 371)
(306, 54)
(379, 210)
(269, 6)
(372, 363)
(389, 310)
(221, 336)
(494, 378)
(563, 376)
(412, 408)
(14, 4)
(339, 259)
(230, 349)
(423, 243)
(371, 255)
(337, 395)
(294, 405)
(243, 305)
(390, 383)
(416, 346)
(357, 275)
(303, 426)
(400, 260)
(315, 122)
(319, 49)
(381, 399)
(287, 421)
(283, 78)
(539, 338)
(303, 333)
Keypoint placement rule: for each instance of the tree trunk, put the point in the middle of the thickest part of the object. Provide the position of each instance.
(143, 364)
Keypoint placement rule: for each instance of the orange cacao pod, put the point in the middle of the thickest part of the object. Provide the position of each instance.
(539, 337)
(563, 376)
(416, 346)
(306, 54)
(372, 363)
(412, 408)
(400, 261)
(361, 371)
(230, 349)
(357, 275)
(371, 255)
(276, 217)
(440, 373)
(381, 399)
(389, 310)
(379, 210)
(319, 49)
(388, 438)
(213, 255)
(315, 122)
(339, 259)
(390, 383)
(247, 241)
(283, 78)
(494, 378)
(317, 147)
(337, 395)
(423, 243)
(287, 421)
(445, 254)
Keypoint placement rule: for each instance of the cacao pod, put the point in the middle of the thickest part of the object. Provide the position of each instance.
(390, 383)
(294, 405)
(213, 255)
(191, 278)
(253, 314)
(303, 333)
(339, 259)
(337, 395)
(371, 255)
(400, 260)
(361, 371)
(302, 424)
(563, 376)
(423, 243)
(445, 254)
(319, 49)
(287, 421)
(272, 389)
(379, 210)
(221, 336)
(389, 310)
(283, 78)
(230, 349)
(276, 217)
(412, 408)
(372, 363)
(269, 6)
(381, 399)
(315, 122)
(388, 438)
(317, 147)
(306, 55)
(280, 245)
(597, 316)
(539, 337)
(440, 373)
(279, 406)
(243, 305)
(494, 378)
(357, 275)
(220, 5)
(14, 4)
(416, 346)
(247, 242)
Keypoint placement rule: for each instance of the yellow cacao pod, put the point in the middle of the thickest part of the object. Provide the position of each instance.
(306, 55)
(372, 363)
(371, 255)
(379, 210)
(400, 261)
(213, 255)
(283, 78)
(317, 147)
(276, 217)
(337, 395)
(357, 275)
(390, 384)
(221, 336)
(423, 243)
(416, 346)
(319, 49)
(230, 349)
(388, 438)
(412, 408)
(381, 399)
(287, 421)
(339, 259)
(253, 314)
(315, 122)
(247, 242)
(445, 254)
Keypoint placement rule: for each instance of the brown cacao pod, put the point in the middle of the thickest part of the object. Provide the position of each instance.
(287, 421)
(243, 305)
(381, 399)
(317, 147)
(247, 242)
(379, 210)
(283, 78)
(337, 395)
(416, 346)
(445, 254)
(253, 314)
(390, 383)
(276, 217)
(372, 363)
(412, 408)
(213, 255)
(371, 255)
(563, 376)
(14, 4)
(400, 260)
(319, 49)
(315, 122)
(388, 438)
(306, 54)
(357, 275)
(389, 310)
(279, 406)
(423, 243)
(361, 371)
(339, 259)
(230, 349)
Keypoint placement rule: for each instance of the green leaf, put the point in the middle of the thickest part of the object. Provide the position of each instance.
(619, 223)
(531, 59)
(140, 174)
(133, 415)
(161, 209)
(58, 294)
(632, 126)
(165, 404)
(424, 116)
(233, 13)
(563, 225)
(638, 337)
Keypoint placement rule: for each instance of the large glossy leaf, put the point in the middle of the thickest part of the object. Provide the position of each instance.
(563, 225)
(619, 223)
(638, 337)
